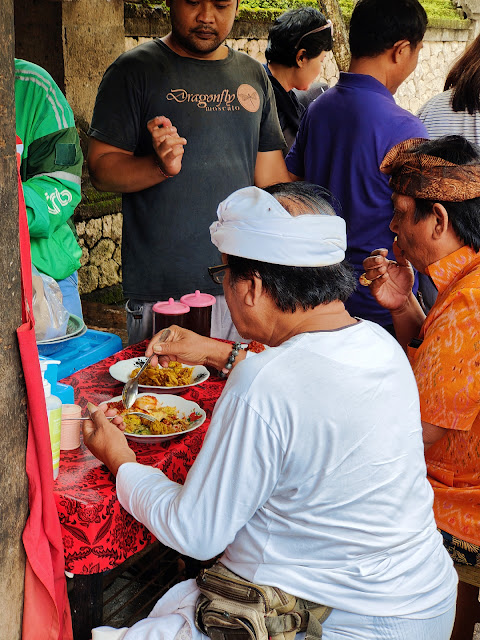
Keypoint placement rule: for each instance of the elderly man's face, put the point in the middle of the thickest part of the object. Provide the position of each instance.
(413, 239)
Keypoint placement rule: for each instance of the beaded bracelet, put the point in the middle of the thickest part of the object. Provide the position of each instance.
(231, 359)
(157, 162)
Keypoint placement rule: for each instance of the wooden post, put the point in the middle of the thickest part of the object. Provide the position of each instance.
(341, 50)
(13, 422)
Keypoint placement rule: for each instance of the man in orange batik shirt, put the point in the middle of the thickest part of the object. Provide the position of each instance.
(436, 198)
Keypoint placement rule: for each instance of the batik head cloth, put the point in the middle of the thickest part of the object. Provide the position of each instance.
(427, 177)
(253, 224)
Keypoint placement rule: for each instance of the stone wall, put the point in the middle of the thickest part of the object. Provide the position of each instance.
(441, 47)
(100, 239)
(98, 220)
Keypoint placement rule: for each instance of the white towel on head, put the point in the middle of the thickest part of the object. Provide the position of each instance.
(253, 224)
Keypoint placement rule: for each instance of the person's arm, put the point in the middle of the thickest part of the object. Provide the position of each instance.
(431, 433)
(270, 168)
(204, 515)
(114, 169)
(52, 160)
(270, 165)
(391, 286)
(119, 170)
(51, 181)
(407, 321)
(294, 178)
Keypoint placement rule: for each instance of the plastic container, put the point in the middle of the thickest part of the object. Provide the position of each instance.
(83, 351)
(169, 312)
(70, 434)
(200, 317)
(62, 391)
(54, 413)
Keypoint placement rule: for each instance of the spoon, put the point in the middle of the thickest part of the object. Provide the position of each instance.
(130, 390)
(130, 413)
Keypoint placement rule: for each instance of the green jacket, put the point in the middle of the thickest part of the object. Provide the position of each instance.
(51, 169)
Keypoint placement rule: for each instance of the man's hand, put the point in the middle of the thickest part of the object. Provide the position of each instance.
(106, 440)
(167, 144)
(183, 346)
(392, 281)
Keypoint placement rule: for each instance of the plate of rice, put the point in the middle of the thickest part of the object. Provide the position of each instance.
(175, 378)
(174, 417)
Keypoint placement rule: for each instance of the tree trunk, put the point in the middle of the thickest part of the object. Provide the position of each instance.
(13, 422)
(341, 50)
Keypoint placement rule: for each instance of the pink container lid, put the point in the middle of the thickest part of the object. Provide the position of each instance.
(198, 299)
(170, 308)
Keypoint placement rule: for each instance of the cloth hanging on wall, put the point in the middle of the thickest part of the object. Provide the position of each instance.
(46, 612)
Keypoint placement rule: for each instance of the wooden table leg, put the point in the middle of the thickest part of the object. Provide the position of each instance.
(86, 604)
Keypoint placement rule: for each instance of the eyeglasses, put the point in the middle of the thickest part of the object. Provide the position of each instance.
(217, 273)
(329, 25)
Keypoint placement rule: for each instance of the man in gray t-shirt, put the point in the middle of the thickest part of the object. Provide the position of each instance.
(222, 103)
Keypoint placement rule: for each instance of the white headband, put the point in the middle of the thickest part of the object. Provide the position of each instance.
(253, 224)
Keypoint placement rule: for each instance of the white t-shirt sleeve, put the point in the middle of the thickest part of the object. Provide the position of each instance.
(233, 475)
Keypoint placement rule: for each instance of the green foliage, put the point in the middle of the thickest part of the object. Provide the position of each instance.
(277, 4)
(270, 9)
(441, 10)
(436, 9)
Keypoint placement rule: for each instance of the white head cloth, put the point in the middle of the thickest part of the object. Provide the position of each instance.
(253, 224)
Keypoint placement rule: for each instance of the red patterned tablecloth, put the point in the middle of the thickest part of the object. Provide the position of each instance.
(98, 533)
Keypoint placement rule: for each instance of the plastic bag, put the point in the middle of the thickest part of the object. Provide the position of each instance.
(51, 317)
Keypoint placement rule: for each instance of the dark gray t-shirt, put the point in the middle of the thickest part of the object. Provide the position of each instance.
(226, 111)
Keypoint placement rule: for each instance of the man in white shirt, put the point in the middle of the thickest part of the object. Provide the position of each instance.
(311, 478)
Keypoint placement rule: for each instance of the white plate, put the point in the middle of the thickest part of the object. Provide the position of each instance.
(183, 406)
(122, 369)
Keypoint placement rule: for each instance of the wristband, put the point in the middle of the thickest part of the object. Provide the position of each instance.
(157, 162)
(231, 359)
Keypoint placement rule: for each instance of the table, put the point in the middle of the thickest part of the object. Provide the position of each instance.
(98, 534)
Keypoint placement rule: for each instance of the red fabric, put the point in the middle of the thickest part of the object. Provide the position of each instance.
(98, 533)
(46, 614)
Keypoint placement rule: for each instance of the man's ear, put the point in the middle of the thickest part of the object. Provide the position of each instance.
(439, 221)
(399, 50)
(253, 291)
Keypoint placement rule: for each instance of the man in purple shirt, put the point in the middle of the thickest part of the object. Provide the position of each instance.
(347, 131)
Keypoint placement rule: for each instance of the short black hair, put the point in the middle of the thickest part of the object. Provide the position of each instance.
(463, 216)
(293, 288)
(376, 25)
(285, 36)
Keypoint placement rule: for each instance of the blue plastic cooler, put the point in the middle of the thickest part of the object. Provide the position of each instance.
(83, 351)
